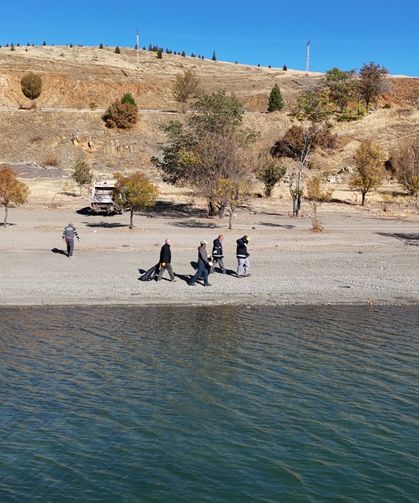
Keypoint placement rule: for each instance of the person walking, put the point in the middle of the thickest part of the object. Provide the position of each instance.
(166, 261)
(69, 233)
(217, 253)
(203, 265)
(243, 261)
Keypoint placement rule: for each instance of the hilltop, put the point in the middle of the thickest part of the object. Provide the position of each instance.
(80, 82)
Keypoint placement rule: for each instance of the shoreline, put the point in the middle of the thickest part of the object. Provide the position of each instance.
(360, 260)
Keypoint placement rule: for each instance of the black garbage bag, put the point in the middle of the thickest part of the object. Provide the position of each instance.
(151, 273)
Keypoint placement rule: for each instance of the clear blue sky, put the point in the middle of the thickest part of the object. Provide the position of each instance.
(344, 34)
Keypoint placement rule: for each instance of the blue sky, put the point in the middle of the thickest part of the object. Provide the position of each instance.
(344, 34)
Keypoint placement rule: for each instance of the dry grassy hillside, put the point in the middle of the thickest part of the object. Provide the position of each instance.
(64, 128)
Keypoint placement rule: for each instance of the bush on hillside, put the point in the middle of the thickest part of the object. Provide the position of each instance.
(121, 115)
(31, 85)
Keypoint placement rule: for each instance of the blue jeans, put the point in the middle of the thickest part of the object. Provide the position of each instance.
(201, 271)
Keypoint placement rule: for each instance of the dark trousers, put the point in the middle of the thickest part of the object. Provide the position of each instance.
(70, 247)
(201, 271)
(168, 268)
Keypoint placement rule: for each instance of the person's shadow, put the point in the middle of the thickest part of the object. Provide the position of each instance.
(60, 252)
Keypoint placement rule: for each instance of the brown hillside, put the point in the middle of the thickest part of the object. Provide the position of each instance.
(64, 128)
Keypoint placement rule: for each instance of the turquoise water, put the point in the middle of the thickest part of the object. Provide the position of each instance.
(226, 404)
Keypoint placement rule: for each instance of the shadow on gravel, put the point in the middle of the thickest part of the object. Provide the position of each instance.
(269, 224)
(7, 225)
(84, 211)
(196, 224)
(175, 210)
(60, 252)
(105, 225)
(408, 238)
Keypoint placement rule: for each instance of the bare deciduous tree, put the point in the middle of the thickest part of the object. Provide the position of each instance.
(299, 143)
(186, 86)
(406, 166)
(316, 196)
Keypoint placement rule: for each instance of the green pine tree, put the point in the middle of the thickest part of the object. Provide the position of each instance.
(276, 101)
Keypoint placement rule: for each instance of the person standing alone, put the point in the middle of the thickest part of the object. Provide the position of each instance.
(243, 261)
(69, 233)
(217, 253)
(165, 261)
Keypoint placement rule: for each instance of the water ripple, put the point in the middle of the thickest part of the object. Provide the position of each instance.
(258, 404)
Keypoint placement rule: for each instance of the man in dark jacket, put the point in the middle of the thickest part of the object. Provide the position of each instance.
(165, 261)
(203, 265)
(243, 261)
(69, 233)
(217, 253)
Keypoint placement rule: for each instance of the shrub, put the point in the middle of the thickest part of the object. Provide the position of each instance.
(82, 174)
(159, 54)
(31, 85)
(121, 115)
(128, 98)
(50, 160)
(117, 50)
(285, 68)
(276, 102)
(92, 105)
(101, 46)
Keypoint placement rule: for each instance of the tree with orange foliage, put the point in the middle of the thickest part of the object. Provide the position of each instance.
(12, 191)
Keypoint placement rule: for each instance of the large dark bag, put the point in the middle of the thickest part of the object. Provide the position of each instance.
(151, 273)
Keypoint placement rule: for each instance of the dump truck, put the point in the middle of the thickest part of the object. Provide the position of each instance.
(103, 198)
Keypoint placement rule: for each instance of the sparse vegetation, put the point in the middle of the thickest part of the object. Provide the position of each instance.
(316, 196)
(406, 166)
(269, 172)
(51, 160)
(31, 85)
(298, 144)
(117, 50)
(186, 86)
(211, 146)
(369, 164)
(82, 174)
(12, 191)
(122, 115)
(128, 98)
(276, 101)
(229, 194)
(135, 192)
(371, 78)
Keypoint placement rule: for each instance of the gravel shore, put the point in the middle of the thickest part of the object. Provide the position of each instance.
(360, 259)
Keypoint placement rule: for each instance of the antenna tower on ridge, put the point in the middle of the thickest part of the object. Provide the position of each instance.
(308, 57)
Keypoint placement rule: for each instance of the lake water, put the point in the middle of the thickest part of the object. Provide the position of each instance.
(223, 404)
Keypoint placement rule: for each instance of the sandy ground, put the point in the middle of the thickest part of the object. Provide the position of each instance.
(361, 258)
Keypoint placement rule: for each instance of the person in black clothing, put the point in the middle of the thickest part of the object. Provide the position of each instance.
(69, 233)
(243, 261)
(165, 261)
(203, 265)
(217, 253)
